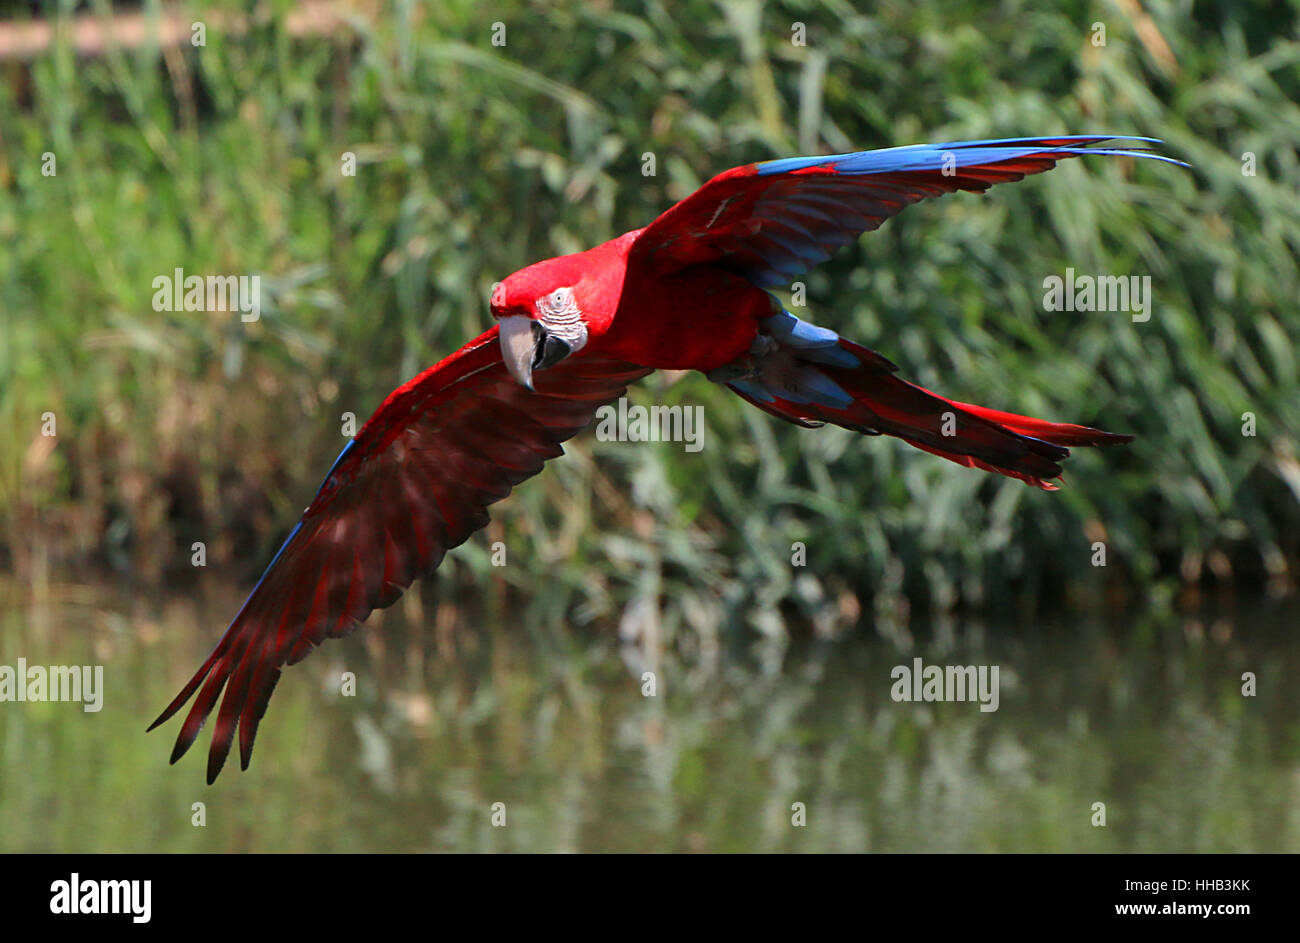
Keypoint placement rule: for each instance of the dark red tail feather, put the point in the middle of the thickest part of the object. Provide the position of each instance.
(975, 436)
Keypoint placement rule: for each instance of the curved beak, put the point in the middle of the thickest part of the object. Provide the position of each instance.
(518, 345)
(527, 345)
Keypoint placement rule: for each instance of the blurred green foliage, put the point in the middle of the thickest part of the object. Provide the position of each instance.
(474, 160)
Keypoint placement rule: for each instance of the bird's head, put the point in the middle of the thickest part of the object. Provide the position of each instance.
(541, 321)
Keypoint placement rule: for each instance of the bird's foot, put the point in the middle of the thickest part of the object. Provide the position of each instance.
(748, 366)
(785, 360)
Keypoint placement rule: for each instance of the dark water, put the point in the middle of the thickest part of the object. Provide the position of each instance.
(1142, 712)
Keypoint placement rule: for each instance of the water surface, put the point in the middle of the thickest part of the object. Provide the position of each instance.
(1143, 712)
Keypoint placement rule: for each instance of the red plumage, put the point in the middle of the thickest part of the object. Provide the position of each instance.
(686, 292)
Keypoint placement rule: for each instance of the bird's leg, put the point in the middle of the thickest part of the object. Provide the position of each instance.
(784, 361)
(750, 365)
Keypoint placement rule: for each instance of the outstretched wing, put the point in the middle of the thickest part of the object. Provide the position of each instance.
(774, 220)
(414, 483)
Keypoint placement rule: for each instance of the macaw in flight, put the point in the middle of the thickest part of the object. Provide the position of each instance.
(686, 292)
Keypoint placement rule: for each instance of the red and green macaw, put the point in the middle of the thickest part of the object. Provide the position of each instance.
(686, 292)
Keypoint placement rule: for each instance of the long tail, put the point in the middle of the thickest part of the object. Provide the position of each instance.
(811, 376)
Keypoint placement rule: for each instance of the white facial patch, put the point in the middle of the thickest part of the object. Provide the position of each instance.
(561, 316)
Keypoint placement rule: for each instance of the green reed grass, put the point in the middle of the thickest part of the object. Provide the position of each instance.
(475, 160)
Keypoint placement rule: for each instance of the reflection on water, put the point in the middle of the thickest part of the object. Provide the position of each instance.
(1143, 713)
